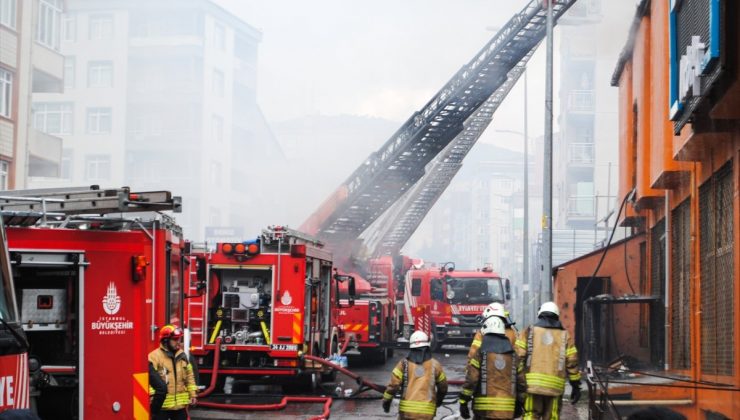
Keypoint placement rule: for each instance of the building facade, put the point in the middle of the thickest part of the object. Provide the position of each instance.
(30, 63)
(162, 95)
(679, 148)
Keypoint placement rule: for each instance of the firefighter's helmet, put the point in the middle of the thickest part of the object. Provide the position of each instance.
(550, 307)
(493, 325)
(419, 339)
(494, 309)
(170, 331)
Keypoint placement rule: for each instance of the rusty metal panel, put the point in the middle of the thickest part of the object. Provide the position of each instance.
(716, 252)
(681, 286)
(657, 288)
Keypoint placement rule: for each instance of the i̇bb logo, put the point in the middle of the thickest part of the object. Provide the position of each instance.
(286, 299)
(111, 300)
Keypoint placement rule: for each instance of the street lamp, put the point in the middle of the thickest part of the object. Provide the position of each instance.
(526, 312)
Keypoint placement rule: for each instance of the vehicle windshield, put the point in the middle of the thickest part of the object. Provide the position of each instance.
(475, 290)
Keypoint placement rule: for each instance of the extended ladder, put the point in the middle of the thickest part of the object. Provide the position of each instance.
(452, 114)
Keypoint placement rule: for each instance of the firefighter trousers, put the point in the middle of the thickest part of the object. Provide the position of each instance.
(172, 415)
(542, 407)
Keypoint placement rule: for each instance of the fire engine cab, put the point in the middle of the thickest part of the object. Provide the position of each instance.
(93, 286)
(451, 300)
(264, 304)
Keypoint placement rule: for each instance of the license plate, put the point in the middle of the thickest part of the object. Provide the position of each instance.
(284, 347)
(453, 332)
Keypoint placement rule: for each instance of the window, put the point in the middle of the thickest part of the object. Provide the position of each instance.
(716, 251)
(215, 173)
(8, 13)
(99, 120)
(97, 167)
(437, 290)
(657, 288)
(217, 85)
(219, 36)
(214, 217)
(100, 27)
(100, 74)
(4, 174)
(69, 72)
(53, 117)
(217, 128)
(47, 26)
(6, 92)
(69, 32)
(681, 286)
(416, 287)
(67, 157)
(644, 307)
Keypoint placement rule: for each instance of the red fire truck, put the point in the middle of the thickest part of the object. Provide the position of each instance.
(14, 382)
(269, 302)
(93, 289)
(453, 299)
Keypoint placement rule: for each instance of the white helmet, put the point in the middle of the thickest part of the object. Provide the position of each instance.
(493, 325)
(549, 307)
(494, 309)
(418, 339)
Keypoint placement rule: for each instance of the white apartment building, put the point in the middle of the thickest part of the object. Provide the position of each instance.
(161, 95)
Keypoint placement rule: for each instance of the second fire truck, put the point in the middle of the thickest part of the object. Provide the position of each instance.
(263, 305)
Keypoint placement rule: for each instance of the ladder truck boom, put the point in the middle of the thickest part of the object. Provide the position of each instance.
(391, 171)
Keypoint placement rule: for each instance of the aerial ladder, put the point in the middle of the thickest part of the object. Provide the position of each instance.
(412, 169)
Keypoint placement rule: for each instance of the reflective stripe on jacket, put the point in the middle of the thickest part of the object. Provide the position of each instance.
(420, 384)
(177, 372)
(549, 358)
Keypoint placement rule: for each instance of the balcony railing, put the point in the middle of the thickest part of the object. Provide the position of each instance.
(581, 101)
(581, 153)
(581, 206)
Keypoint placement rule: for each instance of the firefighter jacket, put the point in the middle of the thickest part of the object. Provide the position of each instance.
(549, 357)
(177, 372)
(478, 339)
(421, 383)
(493, 379)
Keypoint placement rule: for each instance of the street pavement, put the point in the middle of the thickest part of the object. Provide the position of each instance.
(367, 404)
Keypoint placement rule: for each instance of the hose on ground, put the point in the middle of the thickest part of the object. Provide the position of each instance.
(327, 401)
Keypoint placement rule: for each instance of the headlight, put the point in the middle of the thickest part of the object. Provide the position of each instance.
(455, 320)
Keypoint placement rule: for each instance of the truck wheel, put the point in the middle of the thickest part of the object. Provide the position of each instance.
(380, 356)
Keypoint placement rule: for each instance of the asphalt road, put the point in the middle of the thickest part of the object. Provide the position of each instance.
(367, 404)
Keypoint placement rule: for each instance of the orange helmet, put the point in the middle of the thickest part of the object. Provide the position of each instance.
(170, 331)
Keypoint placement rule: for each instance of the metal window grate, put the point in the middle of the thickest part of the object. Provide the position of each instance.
(717, 273)
(693, 20)
(644, 307)
(681, 285)
(657, 288)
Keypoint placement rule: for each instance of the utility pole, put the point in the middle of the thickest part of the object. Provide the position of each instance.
(525, 234)
(546, 292)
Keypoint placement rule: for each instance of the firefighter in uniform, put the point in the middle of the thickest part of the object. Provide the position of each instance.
(549, 358)
(493, 376)
(420, 381)
(173, 368)
(493, 309)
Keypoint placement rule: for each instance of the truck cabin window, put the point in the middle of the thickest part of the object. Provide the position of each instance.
(475, 290)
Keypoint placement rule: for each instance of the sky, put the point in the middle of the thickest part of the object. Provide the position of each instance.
(381, 59)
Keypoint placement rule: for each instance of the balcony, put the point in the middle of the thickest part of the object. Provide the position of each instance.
(583, 11)
(581, 206)
(581, 101)
(48, 70)
(581, 153)
(45, 155)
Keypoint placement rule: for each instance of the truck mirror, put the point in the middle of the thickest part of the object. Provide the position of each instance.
(351, 287)
(507, 289)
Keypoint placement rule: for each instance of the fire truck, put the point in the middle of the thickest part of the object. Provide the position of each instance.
(451, 301)
(94, 287)
(14, 385)
(260, 306)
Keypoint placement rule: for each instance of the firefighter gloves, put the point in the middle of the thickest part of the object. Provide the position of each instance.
(387, 405)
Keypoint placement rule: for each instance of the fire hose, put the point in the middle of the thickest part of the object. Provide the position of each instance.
(214, 375)
(327, 401)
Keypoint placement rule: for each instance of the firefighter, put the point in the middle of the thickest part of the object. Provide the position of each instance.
(493, 309)
(171, 364)
(493, 376)
(549, 358)
(420, 381)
